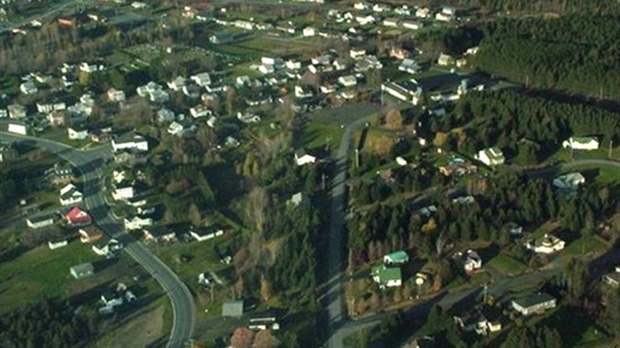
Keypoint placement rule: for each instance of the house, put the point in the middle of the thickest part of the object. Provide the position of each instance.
(409, 66)
(159, 234)
(513, 229)
(264, 322)
(28, 88)
(391, 22)
(59, 175)
(364, 20)
(70, 195)
(75, 133)
(112, 299)
(470, 259)
(303, 92)
(491, 156)
(612, 279)
(137, 222)
(360, 6)
(459, 169)
(164, 116)
(45, 107)
(469, 199)
(396, 258)
(77, 217)
(546, 244)
(200, 111)
(407, 91)
(177, 84)
(123, 192)
(90, 234)
(302, 158)
(347, 81)
(581, 143)
(248, 118)
(445, 60)
(327, 88)
(534, 303)
(412, 25)
(17, 127)
(41, 221)
(340, 64)
(201, 233)
(116, 95)
(16, 111)
(367, 63)
(386, 276)
(106, 246)
(569, 182)
(176, 128)
(308, 31)
(82, 270)
(202, 79)
(130, 141)
(57, 243)
(57, 118)
(266, 69)
(357, 53)
(232, 309)
(381, 8)
(482, 321)
(443, 17)
(299, 199)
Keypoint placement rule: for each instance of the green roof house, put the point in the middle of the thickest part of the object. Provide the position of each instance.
(396, 258)
(491, 156)
(386, 276)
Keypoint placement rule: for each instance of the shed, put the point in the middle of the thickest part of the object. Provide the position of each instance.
(232, 309)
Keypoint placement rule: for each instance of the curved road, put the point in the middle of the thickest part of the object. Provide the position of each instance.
(89, 163)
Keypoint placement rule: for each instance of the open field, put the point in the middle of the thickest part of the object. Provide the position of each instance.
(507, 265)
(586, 244)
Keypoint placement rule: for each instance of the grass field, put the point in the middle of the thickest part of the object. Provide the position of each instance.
(507, 265)
(319, 134)
(586, 244)
(41, 273)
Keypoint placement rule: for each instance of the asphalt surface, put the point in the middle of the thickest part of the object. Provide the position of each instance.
(89, 162)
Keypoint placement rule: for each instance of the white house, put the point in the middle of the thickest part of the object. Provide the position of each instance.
(363, 20)
(347, 81)
(28, 88)
(357, 53)
(77, 133)
(412, 25)
(105, 246)
(535, 303)
(176, 128)
(309, 31)
(266, 69)
(569, 181)
(303, 158)
(407, 91)
(16, 111)
(301, 92)
(123, 192)
(471, 260)
(409, 66)
(491, 156)
(137, 222)
(581, 143)
(200, 111)
(17, 127)
(444, 60)
(130, 141)
(360, 6)
(40, 221)
(202, 79)
(205, 233)
(423, 12)
(70, 195)
(547, 244)
(390, 22)
(55, 244)
(115, 95)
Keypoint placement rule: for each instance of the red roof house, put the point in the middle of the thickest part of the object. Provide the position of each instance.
(77, 216)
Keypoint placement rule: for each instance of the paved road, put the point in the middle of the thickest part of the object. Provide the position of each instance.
(89, 163)
(336, 310)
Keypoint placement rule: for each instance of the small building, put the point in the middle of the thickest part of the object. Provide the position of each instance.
(28, 88)
(82, 270)
(347, 81)
(309, 31)
(159, 234)
(59, 174)
(70, 195)
(41, 221)
(130, 141)
(386, 276)
(77, 133)
(16, 111)
(115, 95)
(581, 143)
(232, 309)
(90, 234)
(396, 258)
(409, 66)
(303, 158)
(491, 156)
(137, 222)
(77, 217)
(534, 303)
(123, 192)
(471, 260)
(406, 91)
(412, 25)
(547, 244)
(299, 199)
(202, 79)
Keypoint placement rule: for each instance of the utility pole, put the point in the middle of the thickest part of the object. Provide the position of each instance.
(611, 145)
(357, 158)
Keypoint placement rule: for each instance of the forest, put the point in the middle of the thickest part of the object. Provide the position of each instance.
(522, 124)
(47, 324)
(598, 6)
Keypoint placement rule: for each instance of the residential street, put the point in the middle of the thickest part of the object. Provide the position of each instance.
(89, 163)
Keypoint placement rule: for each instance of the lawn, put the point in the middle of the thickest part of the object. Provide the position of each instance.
(319, 134)
(586, 244)
(41, 273)
(507, 265)
(601, 153)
